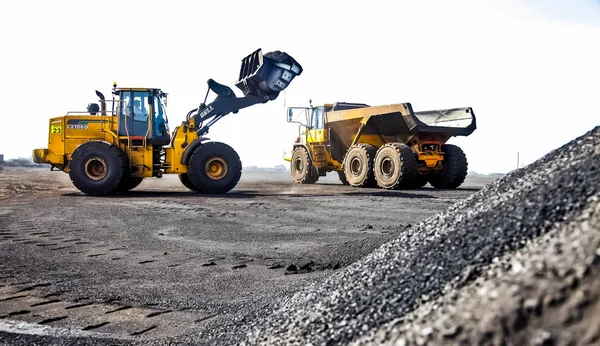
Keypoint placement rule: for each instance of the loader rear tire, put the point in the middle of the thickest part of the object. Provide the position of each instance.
(128, 183)
(185, 180)
(342, 177)
(97, 168)
(301, 167)
(395, 166)
(358, 165)
(454, 171)
(214, 168)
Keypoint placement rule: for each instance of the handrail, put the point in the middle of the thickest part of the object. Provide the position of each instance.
(108, 112)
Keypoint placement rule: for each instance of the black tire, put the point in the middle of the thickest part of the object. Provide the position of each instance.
(395, 166)
(214, 168)
(358, 165)
(312, 178)
(128, 183)
(421, 180)
(455, 169)
(185, 180)
(96, 168)
(301, 168)
(342, 177)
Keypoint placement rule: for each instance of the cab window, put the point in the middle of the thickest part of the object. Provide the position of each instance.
(133, 113)
(161, 123)
(316, 121)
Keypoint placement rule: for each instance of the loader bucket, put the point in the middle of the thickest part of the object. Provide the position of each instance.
(266, 75)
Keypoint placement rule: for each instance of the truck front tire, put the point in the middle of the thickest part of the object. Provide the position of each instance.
(301, 167)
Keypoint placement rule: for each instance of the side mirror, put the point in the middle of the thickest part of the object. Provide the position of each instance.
(290, 115)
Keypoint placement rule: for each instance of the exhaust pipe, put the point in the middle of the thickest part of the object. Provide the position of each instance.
(102, 103)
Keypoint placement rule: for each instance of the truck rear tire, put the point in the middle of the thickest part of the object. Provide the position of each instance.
(421, 180)
(128, 183)
(185, 180)
(358, 165)
(395, 166)
(97, 168)
(301, 168)
(214, 168)
(454, 171)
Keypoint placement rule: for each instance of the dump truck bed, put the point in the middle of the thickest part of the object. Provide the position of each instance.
(398, 122)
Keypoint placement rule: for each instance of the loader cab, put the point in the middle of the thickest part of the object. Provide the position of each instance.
(142, 114)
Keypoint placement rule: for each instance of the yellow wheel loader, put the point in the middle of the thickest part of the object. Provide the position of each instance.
(116, 143)
(390, 146)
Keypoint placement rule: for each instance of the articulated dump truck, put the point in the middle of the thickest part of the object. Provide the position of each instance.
(114, 144)
(388, 146)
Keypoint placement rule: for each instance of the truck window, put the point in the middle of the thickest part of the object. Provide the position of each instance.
(316, 122)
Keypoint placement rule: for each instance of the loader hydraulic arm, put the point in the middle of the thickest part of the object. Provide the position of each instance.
(225, 103)
(261, 79)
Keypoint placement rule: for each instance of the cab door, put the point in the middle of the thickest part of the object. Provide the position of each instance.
(316, 133)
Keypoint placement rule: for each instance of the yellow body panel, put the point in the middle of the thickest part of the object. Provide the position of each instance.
(67, 133)
(430, 159)
(183, 136)
(316, 136)
(352, 126)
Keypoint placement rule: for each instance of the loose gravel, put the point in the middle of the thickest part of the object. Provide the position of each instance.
(547, 293)
(448, 250)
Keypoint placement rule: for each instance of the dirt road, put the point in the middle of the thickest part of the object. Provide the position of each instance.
(161, 263)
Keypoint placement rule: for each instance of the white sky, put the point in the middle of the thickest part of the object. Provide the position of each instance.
(529, 69)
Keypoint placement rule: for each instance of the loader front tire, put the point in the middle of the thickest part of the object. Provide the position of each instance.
(185, 180)
(358, 165)
(301, 167)
(128, 183)
(214, 168)
(97, 168)
(395, 166)
(454, 171)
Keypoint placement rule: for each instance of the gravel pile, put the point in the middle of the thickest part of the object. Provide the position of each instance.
(546, 293)
(445, 252)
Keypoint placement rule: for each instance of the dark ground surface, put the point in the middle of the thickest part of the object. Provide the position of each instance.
(166, 265)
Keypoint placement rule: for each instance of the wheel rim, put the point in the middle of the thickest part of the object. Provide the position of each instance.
(387, 167)
(298, 165)
(216, 168)
(355, 166)
(96, 168)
